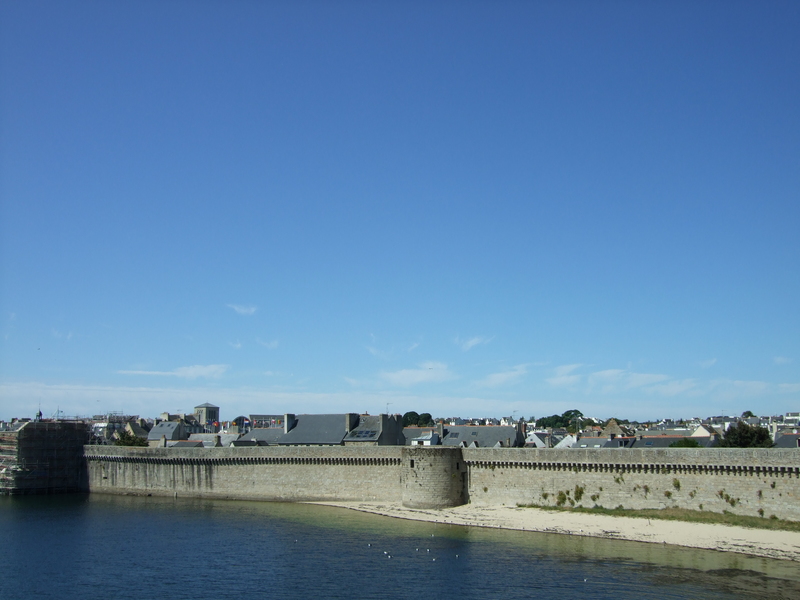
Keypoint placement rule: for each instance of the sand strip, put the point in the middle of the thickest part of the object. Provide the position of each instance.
(783, 545)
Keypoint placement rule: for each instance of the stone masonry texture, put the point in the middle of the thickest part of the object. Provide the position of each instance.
(757, 482)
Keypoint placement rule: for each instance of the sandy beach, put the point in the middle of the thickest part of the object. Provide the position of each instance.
(784, 545)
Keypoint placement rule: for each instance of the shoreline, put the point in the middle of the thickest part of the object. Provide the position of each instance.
(780, 545)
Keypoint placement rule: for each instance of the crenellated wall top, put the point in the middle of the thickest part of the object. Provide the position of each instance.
(734, 457)
(277, 452)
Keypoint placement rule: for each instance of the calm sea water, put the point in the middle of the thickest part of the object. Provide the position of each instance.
(108, 547)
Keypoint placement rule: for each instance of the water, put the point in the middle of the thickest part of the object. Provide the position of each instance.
(110, 547)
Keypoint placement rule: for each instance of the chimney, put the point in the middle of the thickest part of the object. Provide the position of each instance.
(350, 422)
(217, 442)
(289, 422)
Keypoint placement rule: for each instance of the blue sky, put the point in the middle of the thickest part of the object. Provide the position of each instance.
(462, 208)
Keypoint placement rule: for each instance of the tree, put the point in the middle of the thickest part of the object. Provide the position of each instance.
(410, 418)
(747, 414)
(125, 438)
(685, 443)
(573, 420)
(569, 419)
(743, 435)
(551, 421)
(425, 420)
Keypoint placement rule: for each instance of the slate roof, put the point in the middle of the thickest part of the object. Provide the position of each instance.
(412, 433)
(208, 439)
(264, 437)
(368, 429)
(206, 405)
(316, 430)
(482, 436)
(170, 429)
(590, 442)
(788, 440)
(137, 430)
(536, 440)
(187, 444)
(567, 442)
(618, 442)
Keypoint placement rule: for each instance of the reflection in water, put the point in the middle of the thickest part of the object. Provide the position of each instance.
(116, 546)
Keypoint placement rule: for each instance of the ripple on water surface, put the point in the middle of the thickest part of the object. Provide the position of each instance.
(122, 547)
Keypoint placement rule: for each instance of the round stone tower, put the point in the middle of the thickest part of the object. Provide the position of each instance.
(432, 477)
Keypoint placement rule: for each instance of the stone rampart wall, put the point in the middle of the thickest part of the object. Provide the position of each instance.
(287, 474)
(742, 481)
(750, 482)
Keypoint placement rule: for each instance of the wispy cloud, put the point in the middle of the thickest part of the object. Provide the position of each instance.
(428, 372)
(672, 388)
(611, 381)
(375, 351)
(507, 377)
(271, 344)
(607, 381)
(60, 335)
(413, 347)
(469, 344)
(636, 380)
(563, 376)
(235, 345)
(278, 374)
(243, 309)
(782, 360)
(737, 387)
(193, 372)
(707, 364)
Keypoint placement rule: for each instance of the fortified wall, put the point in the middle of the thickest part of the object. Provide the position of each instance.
(276, 473)
(757, 482)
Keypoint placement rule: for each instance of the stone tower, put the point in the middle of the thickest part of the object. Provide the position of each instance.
(432, 477)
